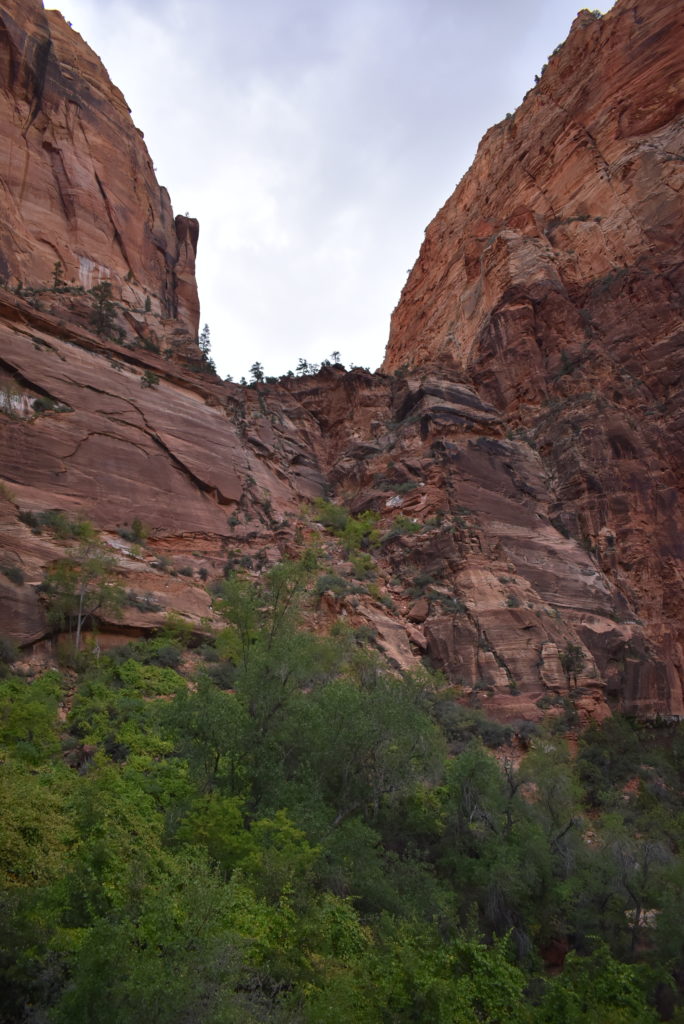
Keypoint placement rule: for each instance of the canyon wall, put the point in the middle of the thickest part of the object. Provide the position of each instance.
(552, 280)
(521, 450)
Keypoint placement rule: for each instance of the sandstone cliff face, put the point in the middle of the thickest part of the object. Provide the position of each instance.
(553, 279)
(525, 465)
(76, 181)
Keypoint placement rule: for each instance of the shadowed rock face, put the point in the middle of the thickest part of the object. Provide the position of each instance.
(525, 464)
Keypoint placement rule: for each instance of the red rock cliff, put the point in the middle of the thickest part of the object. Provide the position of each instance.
(77, 184)
(553, 279)
(582, 182)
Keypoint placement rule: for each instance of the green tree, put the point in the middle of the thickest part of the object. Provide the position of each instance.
(166, 955)
(80, 585)
(58, 281)
(28, 716)
(211, 731)
(595, 989)
(572, 659)
(103, 315)
(204, 341)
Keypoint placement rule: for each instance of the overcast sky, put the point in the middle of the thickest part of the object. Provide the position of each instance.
(314, 141)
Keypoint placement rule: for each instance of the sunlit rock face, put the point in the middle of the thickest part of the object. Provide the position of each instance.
(521, 450)
(77, 184)
(552, 279)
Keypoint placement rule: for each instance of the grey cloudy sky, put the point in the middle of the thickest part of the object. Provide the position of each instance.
(314, 140)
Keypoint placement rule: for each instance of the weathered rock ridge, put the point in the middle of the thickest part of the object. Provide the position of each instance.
(522, 448)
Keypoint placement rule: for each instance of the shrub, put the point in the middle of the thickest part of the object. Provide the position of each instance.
(149, 379)
(331, 582)
(13, 573)
(462, 725)
(420, 583)
(166, 656)
(137, 533)
(449, 604)
(104, 311)
(59, 523)
(363, 566)
(335, 517)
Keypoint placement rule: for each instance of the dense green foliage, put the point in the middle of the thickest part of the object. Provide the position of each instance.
(289, 832)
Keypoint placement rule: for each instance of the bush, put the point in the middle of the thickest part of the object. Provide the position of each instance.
(401, 525)
(462, 725)
(149, 379)
(166, 656)
(420, 583)
(354, 531)
(137, 533)
(13, 573)
(335, 517)
(331, 582)
(363, 566)
(572, 660)
(609, 754)
(58, 522)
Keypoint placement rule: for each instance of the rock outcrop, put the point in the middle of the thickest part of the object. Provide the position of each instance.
(521, 451)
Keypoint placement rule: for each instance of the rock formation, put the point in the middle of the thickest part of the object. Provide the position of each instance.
(521, 448)
(77, 184)
(552, 279)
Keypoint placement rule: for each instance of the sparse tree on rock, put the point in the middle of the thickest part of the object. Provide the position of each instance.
(104, 311)
(80, 585)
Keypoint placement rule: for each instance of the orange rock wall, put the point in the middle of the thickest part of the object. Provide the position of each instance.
(76, 181)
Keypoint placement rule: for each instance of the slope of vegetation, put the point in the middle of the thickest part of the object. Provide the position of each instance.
(273, 827)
